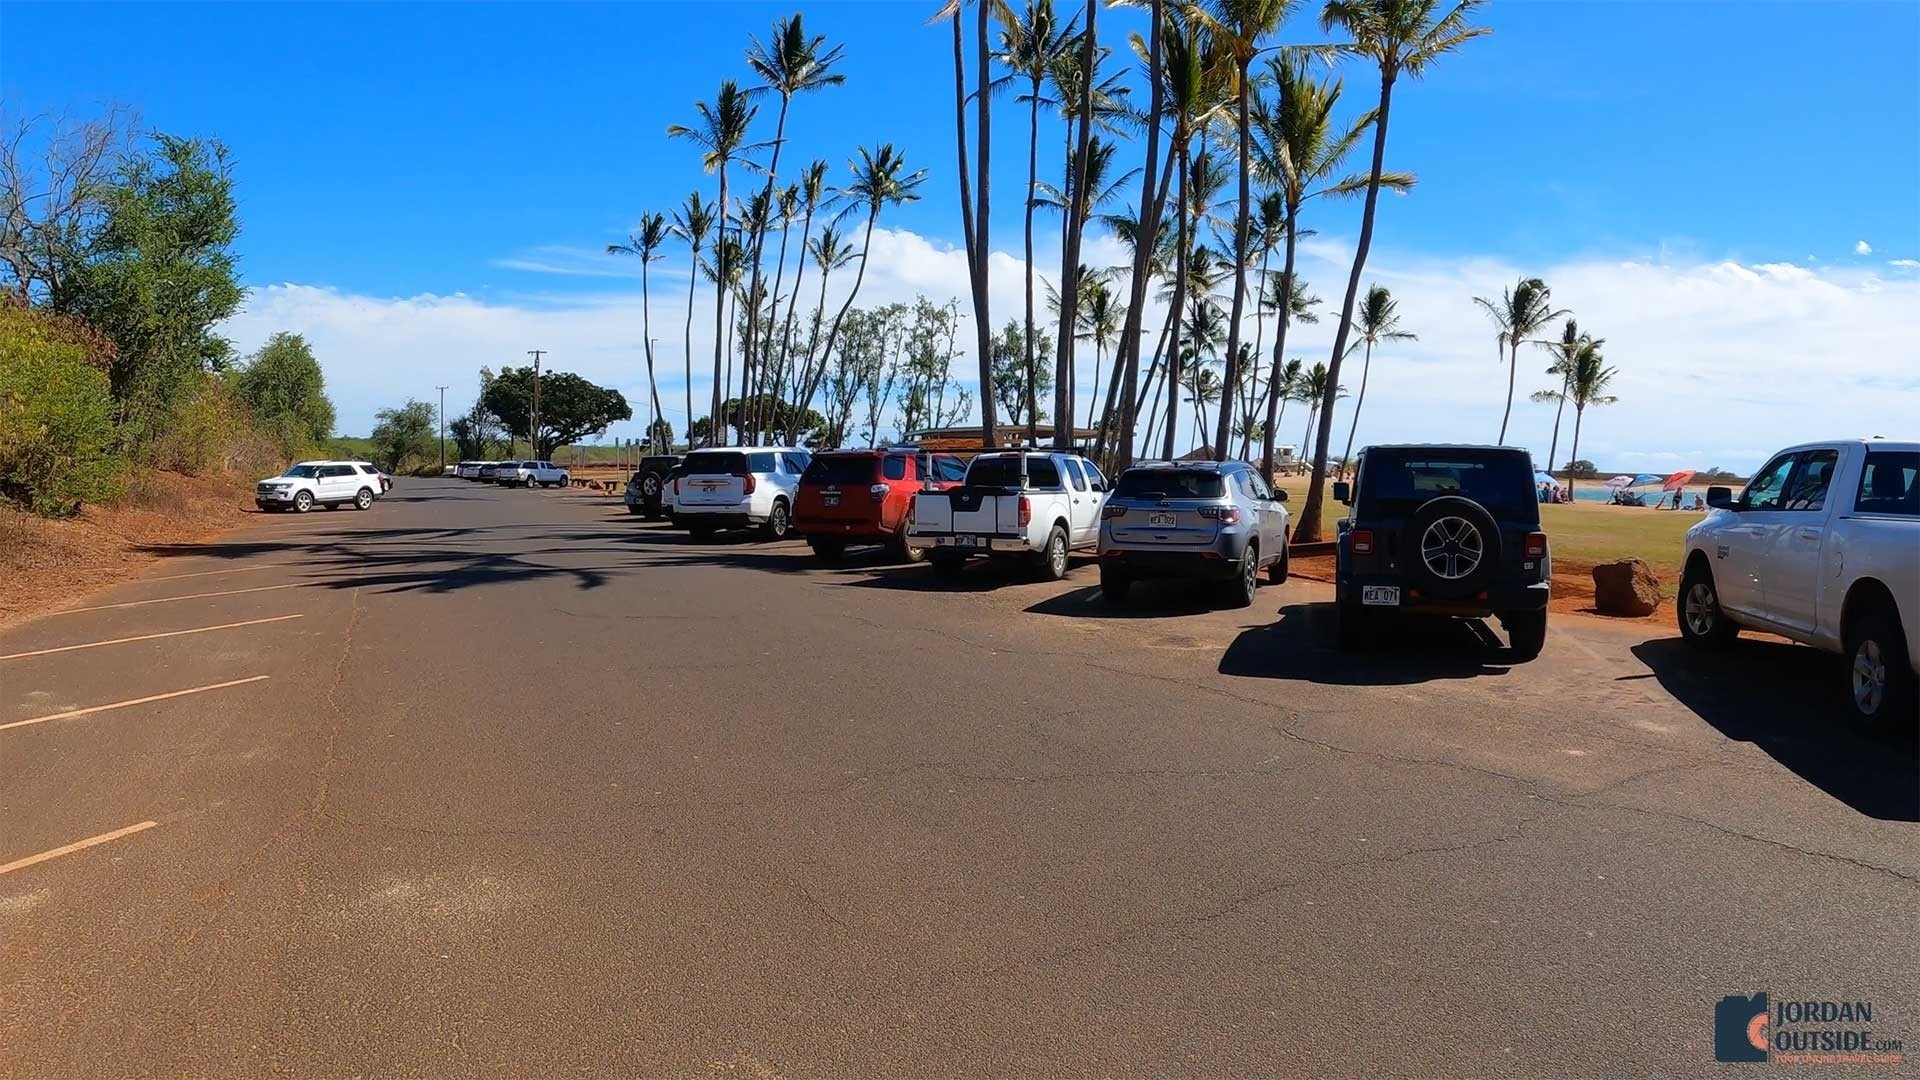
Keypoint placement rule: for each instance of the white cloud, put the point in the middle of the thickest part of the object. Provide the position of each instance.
(1905, 264)
(1719, 362)
(1861, 247)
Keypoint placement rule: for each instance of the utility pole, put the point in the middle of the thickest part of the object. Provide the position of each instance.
(443, 427)
(533, 428)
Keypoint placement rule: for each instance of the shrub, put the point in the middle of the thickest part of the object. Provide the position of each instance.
(57, 435)
(209, 429)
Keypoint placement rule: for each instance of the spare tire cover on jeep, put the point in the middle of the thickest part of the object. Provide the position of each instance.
(1451, 547)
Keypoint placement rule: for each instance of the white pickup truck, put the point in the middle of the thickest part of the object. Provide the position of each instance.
(1823, 547)
(1028, 505)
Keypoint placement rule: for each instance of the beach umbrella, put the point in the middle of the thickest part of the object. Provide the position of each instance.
(1645, 478)
(1619, 482)
(1677, 480)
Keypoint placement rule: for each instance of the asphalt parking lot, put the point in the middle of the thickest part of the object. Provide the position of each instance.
(512, 783)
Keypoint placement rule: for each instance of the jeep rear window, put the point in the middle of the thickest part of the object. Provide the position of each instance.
(1395, 486)
(835, 469)
(711, 462)
(1169, 484)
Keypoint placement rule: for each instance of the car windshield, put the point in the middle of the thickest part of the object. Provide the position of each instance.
(1169, 484)
(714, 462)
(840, 469)
(1395, 484)
(307, 471)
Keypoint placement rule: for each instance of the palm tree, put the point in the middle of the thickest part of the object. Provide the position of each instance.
(1239, 26)
(792, 63)
(830, 252)
(766, 372)
(1299, 154)
(1521, 313)
(692, 222)
(1400, 37)
(721, 135)
(975, 219)
(1564, 352)
(1379, 320)
(1152, 198)
(1030, 45)
(645, 243)
(1206, 389)
(1100, 319)
(1318, 390)
(1586, 384)
(813, 186)
(1285, 388)
(879, 179)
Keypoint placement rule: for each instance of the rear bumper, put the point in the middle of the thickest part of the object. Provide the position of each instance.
(1206, 565)
(1498, 598)
(850, 530)
(968, 543)
(695, 517)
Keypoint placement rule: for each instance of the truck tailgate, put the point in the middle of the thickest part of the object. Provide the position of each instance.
(965, 510)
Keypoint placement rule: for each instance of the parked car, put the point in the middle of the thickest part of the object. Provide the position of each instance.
(648, 484)
(739, 488)
(866, 497)
(1214, 521)
(1823, 547)
(530, 474)
(468, 470)
(488, 469)
(1446, 531)
(317, 483)
(1022, 504)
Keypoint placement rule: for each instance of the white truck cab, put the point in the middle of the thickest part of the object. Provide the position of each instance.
(1037, 505)
(1822, 547)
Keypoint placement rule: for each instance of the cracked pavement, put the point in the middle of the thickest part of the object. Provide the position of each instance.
(537, 788)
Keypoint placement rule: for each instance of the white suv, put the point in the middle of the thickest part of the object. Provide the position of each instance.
(325, 483)
(530, 474)
(737, 488)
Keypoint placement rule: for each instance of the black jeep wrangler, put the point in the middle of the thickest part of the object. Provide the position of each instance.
(1448, 531)
(645, 486)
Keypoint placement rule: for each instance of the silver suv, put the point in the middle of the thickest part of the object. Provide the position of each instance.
(1215, 521)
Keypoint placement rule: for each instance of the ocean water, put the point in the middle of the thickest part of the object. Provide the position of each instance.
(1596, 491)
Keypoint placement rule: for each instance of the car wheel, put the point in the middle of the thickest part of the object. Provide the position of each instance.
(1052, 561)
(947, 567)
(302, 501)
(1879, 684)
(1702, 623)
(778, 521)
(532, 482)
(904, 552)
(363, 500)
(1115, 585)
(1278, 570)
(1526, 632)
(827, 550)
(1238, 591)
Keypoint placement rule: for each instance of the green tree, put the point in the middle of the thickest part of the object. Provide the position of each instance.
(1011, 390)
(570, 407)
(1399, 37)
(57, 442)
(645, 244)
(1520, 314)
(1379, 319)
(283, 387)
(403, 438)
(159, 276)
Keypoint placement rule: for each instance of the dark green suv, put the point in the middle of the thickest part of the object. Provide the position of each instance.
(647, 482)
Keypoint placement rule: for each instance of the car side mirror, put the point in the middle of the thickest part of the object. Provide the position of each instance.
(1720, 498)
(1280, 496)
(1342, 492)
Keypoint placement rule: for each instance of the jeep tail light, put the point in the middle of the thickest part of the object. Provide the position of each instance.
(1113, 510)
(1026, 511)
(1362, 540)
(1226, 515)
(676, 485)
(878, 492)
(748, 483)
(1536, 545)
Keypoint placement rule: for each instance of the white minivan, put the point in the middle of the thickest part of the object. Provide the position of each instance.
(746, 487)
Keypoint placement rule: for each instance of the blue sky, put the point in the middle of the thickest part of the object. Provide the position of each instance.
(396, 151)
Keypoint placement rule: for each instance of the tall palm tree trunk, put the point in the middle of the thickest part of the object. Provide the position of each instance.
(646, 330)
(1033, 177)
(1313, 409)
(1559, 407)
(1274, 388)
(719, 310)
(1308, 531)
(1513, 370)
(1179, 297)
(793, 302)
(748, 375)
(763, 383)
(1574, 454)
(1231, 378)
(1079, 204)
(982, 312)
(687, 349)
(1144, 244)
(866, 245)
(1093, 400)
(1366, 365)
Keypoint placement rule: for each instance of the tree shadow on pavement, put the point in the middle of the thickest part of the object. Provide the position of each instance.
(1785, 699)
(1301, 646)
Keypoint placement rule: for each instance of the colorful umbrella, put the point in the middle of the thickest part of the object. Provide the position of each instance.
(1645, 478)
(1677, 480)
(1619, 482)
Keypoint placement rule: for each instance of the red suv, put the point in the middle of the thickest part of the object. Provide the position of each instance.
(866, 497)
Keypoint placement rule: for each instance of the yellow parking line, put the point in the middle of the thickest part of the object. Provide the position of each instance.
(71, 713)
(148, 637)
(77, 845)
(210, 573)
(171, 599)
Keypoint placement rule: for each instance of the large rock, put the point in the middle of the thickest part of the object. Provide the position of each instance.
(1627, 587)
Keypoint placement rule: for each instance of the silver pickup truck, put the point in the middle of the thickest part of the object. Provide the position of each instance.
(1033, 506)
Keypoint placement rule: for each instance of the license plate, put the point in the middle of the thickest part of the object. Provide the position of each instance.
(829, 500)
(1160, 520)
(1380, 595)
(954, 541)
